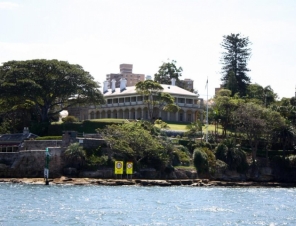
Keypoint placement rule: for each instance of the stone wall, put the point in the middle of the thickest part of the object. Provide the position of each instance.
(31, 163)
(40, 144)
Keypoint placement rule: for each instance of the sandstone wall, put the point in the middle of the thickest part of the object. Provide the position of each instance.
(31, 163)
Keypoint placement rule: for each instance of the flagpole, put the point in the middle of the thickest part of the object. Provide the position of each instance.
(207, 117)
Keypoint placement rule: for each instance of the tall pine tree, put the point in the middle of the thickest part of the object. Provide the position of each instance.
(234, 60)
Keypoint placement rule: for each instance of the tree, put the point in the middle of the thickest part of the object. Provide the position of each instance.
(256, 122)
(286, 134)
(47, 86)
(286, 108)
(223, 108)
(250, 120)
(155, 99)
(274, 121)
(75, 155)
(261, 95)
(167, 71)
(131, 141)
(234, 60)
(230, 153)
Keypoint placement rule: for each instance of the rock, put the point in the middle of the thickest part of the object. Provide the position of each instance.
(70, 171)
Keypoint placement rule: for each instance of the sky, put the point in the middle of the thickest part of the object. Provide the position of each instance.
(100, 35)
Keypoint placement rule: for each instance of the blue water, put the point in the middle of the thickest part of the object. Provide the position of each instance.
(22, 204)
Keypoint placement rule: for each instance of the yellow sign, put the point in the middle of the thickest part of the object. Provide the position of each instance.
(118, 167)
(129, 168)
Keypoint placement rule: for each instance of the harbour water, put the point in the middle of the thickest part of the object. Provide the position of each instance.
(23, 204)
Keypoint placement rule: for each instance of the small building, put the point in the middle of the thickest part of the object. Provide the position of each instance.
(13, 142)
(126, 72)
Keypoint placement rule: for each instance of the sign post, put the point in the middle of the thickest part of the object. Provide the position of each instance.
(129, 169)
(118, 168)
(46, 168)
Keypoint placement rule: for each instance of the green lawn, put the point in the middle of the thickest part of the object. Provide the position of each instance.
(179, 126)
(109, 120)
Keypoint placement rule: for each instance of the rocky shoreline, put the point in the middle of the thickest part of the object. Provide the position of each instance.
(143, 182)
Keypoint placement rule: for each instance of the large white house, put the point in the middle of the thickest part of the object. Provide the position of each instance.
(126, 103)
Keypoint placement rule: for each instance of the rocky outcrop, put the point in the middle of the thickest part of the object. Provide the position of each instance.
(140, 182)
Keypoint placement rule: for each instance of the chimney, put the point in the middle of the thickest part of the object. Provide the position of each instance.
(26, 131)
(122, 84)
(105, 88)
(113, 85)
(173, 81)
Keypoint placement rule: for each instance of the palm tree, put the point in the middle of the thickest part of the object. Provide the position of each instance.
(75, 155)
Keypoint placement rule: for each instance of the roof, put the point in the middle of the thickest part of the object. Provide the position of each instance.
(130, 90)
(16, 137)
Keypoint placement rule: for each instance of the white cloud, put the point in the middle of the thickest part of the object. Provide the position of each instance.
(8, 5)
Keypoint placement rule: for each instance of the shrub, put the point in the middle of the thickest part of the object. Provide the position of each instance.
(235, 158)
(70, 119)
(181, 156)
(49, 138)
(221, 152)
(200, 160)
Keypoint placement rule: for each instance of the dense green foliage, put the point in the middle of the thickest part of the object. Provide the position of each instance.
(167, 71)
(234, 59)
(235, 158)
(256, 122)
(200, 160)
(135, 143)
(40, 89)
(70, 119)
(75, 155)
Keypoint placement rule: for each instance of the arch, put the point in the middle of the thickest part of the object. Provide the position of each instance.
(103, 114)
(109, 114)
(189, 116)
(145, 114)
(114, 114)
(133, 113)
(126, 113)
(181, 116)
(120, 113)
(98, 114)
(91, 115)
(198, 115)
(139, 113)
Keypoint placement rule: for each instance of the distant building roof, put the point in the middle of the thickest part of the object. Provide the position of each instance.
(129, 90)
(16, 138)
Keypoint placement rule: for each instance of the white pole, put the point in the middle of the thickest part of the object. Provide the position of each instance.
(207, 117)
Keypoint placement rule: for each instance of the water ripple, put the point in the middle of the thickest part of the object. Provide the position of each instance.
(133, 205)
